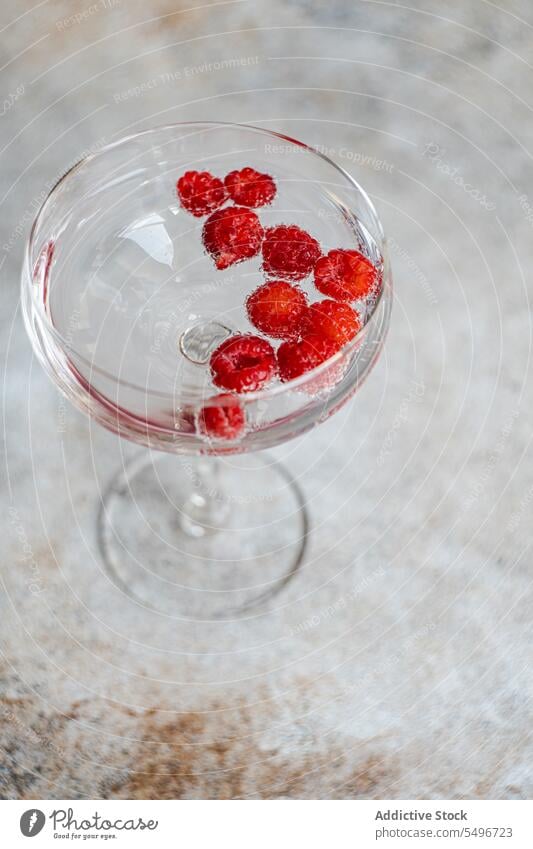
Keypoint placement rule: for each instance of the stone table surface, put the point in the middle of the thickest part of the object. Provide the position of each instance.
(397, 665)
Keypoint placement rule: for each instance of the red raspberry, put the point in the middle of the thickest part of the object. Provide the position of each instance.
(200, 193)
(231, 235)
(277, 308)
(338, 321)
(243, 363)
(289, 251)
(345, 275)
(296, 358)
(222, 418)
(249, 187)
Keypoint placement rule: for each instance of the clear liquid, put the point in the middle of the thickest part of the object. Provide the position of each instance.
(133, 285)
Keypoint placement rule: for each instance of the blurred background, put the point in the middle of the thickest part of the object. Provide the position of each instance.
(398, 664)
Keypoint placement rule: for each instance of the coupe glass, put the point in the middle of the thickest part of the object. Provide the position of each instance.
(123, 308)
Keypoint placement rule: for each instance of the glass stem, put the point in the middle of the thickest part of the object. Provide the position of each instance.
(205, 509)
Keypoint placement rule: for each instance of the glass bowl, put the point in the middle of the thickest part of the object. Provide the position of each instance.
(123, 308)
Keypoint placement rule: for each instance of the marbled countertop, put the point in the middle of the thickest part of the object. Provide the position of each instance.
(398, 663)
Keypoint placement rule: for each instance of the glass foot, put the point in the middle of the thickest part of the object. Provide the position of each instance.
(202, 538)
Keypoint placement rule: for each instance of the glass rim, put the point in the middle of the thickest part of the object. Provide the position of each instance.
(268, 391)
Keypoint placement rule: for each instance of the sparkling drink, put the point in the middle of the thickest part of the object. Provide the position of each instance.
(125, 308)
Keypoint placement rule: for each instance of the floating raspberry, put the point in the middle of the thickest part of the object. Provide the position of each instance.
(345, 275)
(231, 235)
(277, 308)
(296, 358)
(338, 321)
(200, 193)
(243, 363)
(222, 417)
(249, 187)
(288, 251)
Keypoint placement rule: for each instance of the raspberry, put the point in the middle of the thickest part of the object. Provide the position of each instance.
(345, 275)
(243, 363)
(222, 417)
(338, 321)
(289, 251)
(200, 193)
(231, 235)
(296, 358)
(250, 188)
(277, 308)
